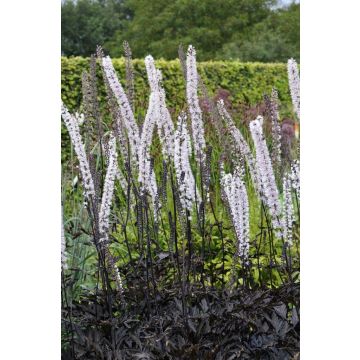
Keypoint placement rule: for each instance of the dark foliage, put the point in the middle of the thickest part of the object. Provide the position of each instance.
(209, 324)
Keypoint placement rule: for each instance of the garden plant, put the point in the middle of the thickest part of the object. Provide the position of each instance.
(180, 227)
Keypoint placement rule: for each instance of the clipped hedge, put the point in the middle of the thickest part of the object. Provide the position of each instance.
(246, 82)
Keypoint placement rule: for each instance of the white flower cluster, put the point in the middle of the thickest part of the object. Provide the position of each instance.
(108, 190)
(184, 175)
(118, 280)
(242, 146)
(288, 210)
(295, 177)
(163, 119)
(72, 126)
(235, 194)
(265, 171)
(165, 126)
(146, 172)
(104, 214)
(125, 108)
(294, 85)
(194, 107)
(121, 135)
(119, 175)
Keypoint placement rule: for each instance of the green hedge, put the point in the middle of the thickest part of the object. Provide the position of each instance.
(245, 81)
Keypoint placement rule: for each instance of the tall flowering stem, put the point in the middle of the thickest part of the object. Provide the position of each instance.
(108, 190)
(241, 146)
(272, 104)
(105, 207)
(288, 210)
(265, 171)
(194, 107)
(294, 85)
(235, 195)
(72, 126)
(163, 120)
(129, 73)
(165, 126)
(119, 175)
(124, 105)
(120, 129)
(146, 177)
(184, 175)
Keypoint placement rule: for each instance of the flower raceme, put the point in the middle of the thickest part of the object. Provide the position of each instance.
(265, 171)
(184, 175)
(241, 145)
(235, 195)
(146, 172)
(115, 111)
(165, 127)
(72, 126)
(288, 210)
(105, 207)
(294, 85)
(146, 139)
(163, 119)
(273, 107)
(119, 175)
(108, 190)
(125, 108)
(194, 107)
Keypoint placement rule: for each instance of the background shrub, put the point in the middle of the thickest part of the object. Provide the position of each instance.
(246, 82)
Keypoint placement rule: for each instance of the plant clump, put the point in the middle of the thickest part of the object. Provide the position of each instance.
(179, 242)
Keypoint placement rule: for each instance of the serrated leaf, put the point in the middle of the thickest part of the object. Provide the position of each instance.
(191, 325)
(281, 310)
(204, 305)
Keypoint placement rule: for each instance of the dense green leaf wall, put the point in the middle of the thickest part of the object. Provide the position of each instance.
(246, 82)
